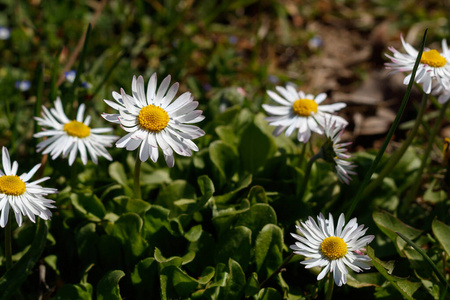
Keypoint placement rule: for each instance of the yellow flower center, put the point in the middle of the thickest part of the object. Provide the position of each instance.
(446, 150)
(12, 185)
(333, 247)
(433, 59)
(78, 129)
(153, 118)
(304, 107)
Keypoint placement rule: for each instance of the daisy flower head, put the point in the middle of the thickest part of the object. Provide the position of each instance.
(433, 65)
(25, 198)
(155, 120)
(300, 111)
(69, 137)
(335, 249)
(335, 152)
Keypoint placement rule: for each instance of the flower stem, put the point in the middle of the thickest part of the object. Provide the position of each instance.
(426, 156)
(301, 189)
(137, 178)
(330, 287)
(281, 267)
(395, 158)
(373, 166)
(8, 247)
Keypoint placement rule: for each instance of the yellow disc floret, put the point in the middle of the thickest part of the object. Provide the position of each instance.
(304, 107)
(433, 59)
(333, 247)
(78, 129)
(153, 118)
(12, 185)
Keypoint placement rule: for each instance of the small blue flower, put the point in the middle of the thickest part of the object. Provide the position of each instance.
(273, 78)
(315, 42)
(70, 75)
(5, 33)
(86, 85)
(23, 85)
(232, 40)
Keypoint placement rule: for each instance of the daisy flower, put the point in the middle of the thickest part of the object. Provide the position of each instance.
(300, 111)
(25, 198)
(335, 249)
(335, 152)
(68, 137)
(433, 65)
(154, 121)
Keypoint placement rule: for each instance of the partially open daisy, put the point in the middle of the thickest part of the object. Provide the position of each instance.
(300, 111)
(335, 249)
(433, 65)
(25, 198)
(154, 121)
(335, 152)
(68, 137)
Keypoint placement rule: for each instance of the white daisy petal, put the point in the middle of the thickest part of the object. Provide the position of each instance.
(163, 121)
(22, 197)
(297, 112)
(323, 243)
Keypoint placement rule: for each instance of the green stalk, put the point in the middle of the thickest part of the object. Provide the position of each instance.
(302, 188)
(54, 85)
(8, 247)
(395, 158)
(281, 267)
(108, 73)
(427, 259)
(368, 176)
(426, 156)
(330, 287)
(137, 178)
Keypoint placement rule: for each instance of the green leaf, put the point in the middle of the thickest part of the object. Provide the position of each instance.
(178, 189)
(11, 281)
(252, 286)
(390, 225)
(235, 282)
(108, 286)
(87, 240)
(405, 287)
(257, 217)
(268, 250)
(206, 188)
(128, 230)
(74, 292)
(257, 194)
(442, 233)
(255, 148)
(225, 159)
(132, 205)
(117, 172)
(235, 243)
(144, 278)
(269, 294)
(89, 206)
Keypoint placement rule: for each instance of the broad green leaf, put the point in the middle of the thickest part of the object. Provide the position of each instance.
(226, 134)
(268, 250)
(252, 286)
(178, 189)
(132, 205)
(434, 194)
(87, 240)
(242, 184)
(183, 283)
(194, 233)
(144, 278)
(235, 243)
(255, 148)
(257, 194)
(405, 287)
(171, 261)
(74, 292)
(206, 188)
(117, 172)
(257, 217)
(128, 229)
(225, 159)
(11, 281)
(442, 232)
(390, 225)
(225, 215)
(89, 206)
(235, 282)
(108, 286)
(269, 294)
